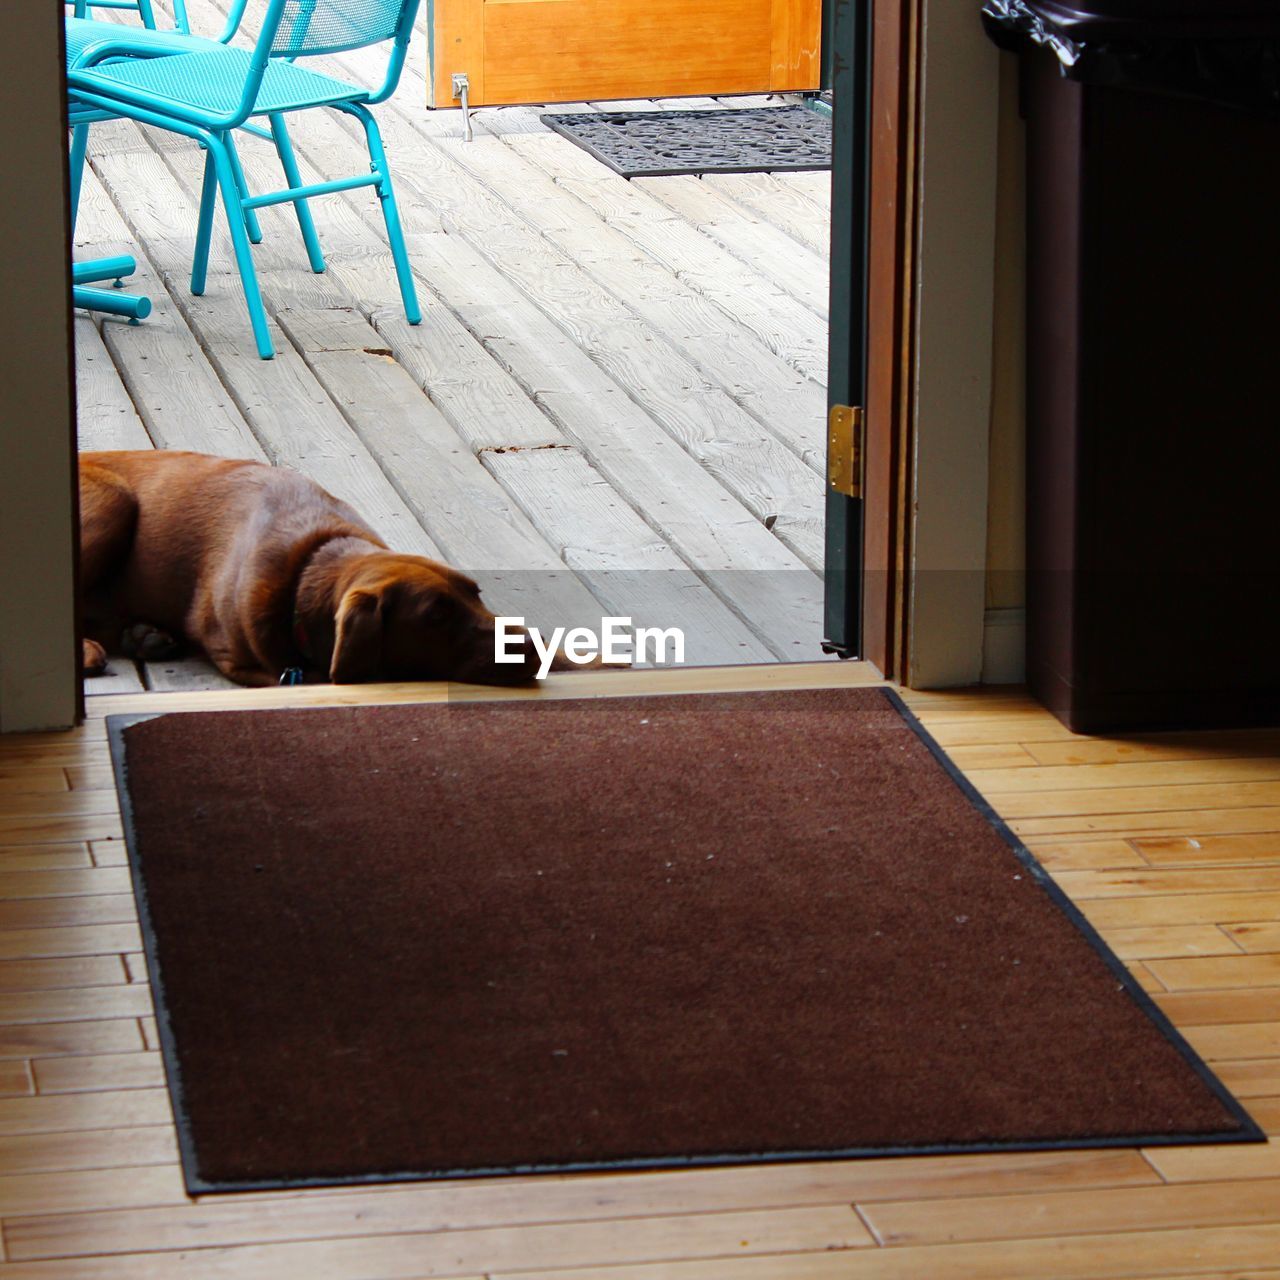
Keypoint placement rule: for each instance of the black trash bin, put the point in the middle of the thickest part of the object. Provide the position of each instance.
(1153, 317)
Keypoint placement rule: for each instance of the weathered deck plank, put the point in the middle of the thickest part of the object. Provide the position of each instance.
(785, 324)
(752, 570)
(185, 675)
(744, 298)
(290, 413)
(121, 676)
(708, 424)
(815, 187)
(176, 391)
(106, 417)
(467, 512)
(652, 330)
(781, 205)
(628, 566)
(772, 253)
(698, 517)
(322, 348)
(786, 403)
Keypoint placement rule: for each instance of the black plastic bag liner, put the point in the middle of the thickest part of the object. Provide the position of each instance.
(1223, 51)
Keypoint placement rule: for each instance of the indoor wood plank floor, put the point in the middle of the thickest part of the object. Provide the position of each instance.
(1170, 844)
(617, 393)
(615, 403)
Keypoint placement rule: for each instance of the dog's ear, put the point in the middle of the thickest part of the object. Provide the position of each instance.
(358, 644)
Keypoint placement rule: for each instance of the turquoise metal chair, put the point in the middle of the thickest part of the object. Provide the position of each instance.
(89, 41)
(82, 9)
(82, 33)
(207, 94)
(84, 37)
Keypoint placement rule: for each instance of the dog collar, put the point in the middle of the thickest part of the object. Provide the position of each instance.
(297, 674)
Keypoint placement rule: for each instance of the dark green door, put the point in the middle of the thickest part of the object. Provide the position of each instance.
(850, 31)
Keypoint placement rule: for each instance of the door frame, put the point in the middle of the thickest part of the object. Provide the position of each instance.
(847, 514)
(887, 385)
(951, 272)
(39, 663)
(912, 334)
(939, 639)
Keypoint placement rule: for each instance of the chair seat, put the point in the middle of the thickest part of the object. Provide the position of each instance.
(86, 34)
(211, 83)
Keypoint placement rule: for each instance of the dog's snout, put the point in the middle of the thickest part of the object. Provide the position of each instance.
(506, 657)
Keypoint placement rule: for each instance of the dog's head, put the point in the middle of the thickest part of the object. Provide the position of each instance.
(402, 617)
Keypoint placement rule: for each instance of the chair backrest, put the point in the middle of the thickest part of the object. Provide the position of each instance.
(309, 27)
(299, 28)
(84, 8)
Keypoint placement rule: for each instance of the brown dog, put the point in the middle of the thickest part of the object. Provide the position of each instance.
(267, 574)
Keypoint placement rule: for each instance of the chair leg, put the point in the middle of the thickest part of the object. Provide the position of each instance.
(250, 215)
(289, 163)
(204, 225)
(390, 212)
(148, 14)
(79, 143)
(220, 150)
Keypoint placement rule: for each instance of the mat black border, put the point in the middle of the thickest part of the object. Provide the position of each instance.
(1249, 1130)
(554, 120)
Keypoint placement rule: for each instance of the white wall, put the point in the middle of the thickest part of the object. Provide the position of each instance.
(1004, 659)
(955, 265)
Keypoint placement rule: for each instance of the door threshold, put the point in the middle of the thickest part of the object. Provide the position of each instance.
(571, 684)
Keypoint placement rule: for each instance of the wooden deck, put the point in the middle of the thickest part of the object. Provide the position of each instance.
(1170, 844)
(615, 404)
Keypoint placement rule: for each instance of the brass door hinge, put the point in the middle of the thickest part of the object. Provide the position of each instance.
(844, 450)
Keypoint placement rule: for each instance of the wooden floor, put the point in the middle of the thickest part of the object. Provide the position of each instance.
(616, 399)
(615, 403)
(1170, 844)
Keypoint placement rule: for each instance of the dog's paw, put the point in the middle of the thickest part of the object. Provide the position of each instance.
(148, 643)
(93, 658)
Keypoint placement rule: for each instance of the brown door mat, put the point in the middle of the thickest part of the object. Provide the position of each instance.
(501, 937)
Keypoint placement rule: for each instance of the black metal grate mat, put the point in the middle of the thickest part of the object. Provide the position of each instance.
(656, 143)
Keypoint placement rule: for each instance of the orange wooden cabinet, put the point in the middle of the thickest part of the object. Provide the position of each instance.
(593, 50)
